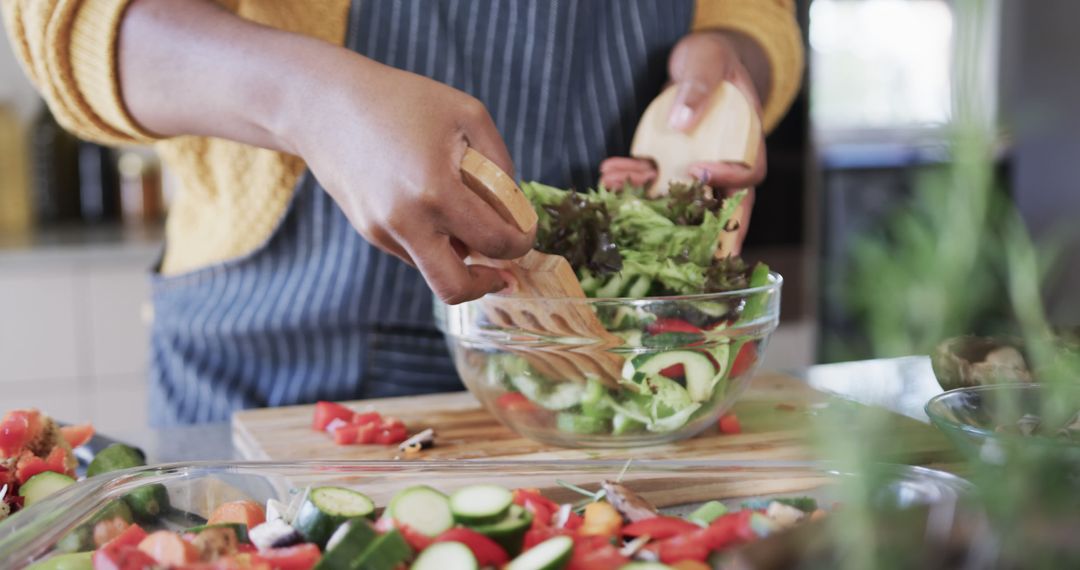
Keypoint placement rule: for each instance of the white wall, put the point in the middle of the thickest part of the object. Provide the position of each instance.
(15, 89)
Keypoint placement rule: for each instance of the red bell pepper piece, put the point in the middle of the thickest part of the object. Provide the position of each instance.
(515, 402)
(131, 536)
(326, 412)
(77, 435)
(536, 535)
(659, 528)
(365, 418)
(729, 530)
(346, 434)
(487, 551)
(416, 539)
(574, 521)
(540, 506)
(671, 325)
(744, 360)
(729, 424)
(366, 433)
(595, 553)
(675, 371)
(299, 557)
(391, 434)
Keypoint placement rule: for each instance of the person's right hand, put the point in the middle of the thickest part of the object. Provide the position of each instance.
(387, 145)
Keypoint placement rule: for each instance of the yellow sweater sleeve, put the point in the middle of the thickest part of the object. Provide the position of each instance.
(68, 49)
(773, 25)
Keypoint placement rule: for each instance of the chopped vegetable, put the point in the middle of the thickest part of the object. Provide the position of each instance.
(248, 513)
(729, 424)
(601, 519)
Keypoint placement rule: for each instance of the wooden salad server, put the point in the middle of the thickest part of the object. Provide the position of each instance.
(542, 283)
(729, 130)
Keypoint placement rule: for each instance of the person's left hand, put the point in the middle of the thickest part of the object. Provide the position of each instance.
(699, 63)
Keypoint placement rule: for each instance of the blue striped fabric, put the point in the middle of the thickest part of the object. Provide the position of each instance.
(317, 312)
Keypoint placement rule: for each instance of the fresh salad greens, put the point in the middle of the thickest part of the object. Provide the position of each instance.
(680, 364)
(623, 244)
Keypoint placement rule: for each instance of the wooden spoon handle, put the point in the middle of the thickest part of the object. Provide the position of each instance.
(497, 189)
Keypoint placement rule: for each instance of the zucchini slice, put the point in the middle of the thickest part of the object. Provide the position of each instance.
(40, 486)
(386, 552)
(510, 531)
(700, 370)
(479, 504)
(327, 508)
(446, 556)
(560, 396)
(424, 509)
(552, 554)
(358, 536)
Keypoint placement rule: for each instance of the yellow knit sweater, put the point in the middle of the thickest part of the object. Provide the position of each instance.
(231, 195)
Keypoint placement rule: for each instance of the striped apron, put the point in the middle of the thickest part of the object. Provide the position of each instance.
(319, 313)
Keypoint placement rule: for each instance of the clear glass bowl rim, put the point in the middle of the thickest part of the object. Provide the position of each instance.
(941, 400)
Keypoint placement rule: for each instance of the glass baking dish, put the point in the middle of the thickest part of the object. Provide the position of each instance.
(194, 489)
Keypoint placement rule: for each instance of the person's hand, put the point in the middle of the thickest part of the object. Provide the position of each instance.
(387, 145)
(699, 63)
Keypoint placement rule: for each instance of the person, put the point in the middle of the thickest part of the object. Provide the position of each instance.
(316, 145)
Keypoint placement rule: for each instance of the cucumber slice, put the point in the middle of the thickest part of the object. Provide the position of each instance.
(552, 554)
(510, 531)
(386, 552)
(622, 424)
(645, 566)
(241, 530)
(699, 369)
(326, 508)
(480, 504)
(640, 288)
(560, 396)
(707, 513)
(612, 288)
(149, 502)
(424, 509)
(76, 561)
(593, 400)
(580, 423)
(40, 486)
(359, 535)
(446, 556)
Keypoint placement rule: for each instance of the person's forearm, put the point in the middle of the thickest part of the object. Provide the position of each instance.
(189, 67)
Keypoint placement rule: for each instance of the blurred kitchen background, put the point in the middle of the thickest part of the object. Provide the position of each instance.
(81, 224)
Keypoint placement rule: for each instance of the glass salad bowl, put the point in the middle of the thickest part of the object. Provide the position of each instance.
(190, 492)
(653, 370)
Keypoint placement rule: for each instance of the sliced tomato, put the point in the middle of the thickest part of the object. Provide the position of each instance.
(131, 536)
(574, 521)
(729, 424)
(675, 371)
(61, 460)
(395, 433)
(542, 508)
(595, 553)
(326, 412)
(346, 434)
(683, 547)
(366, 433)
(515, 402)
(365, 418)
(28, 466)
(487, 551)
(77, 435)
(659, 528)
(299, 557)
(744, 360)
(671, 325)
(389, 423)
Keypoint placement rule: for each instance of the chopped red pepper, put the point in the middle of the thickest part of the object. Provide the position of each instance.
(659, 528)
(487, 551)
(123, 558)
(365, 418)
(299, 557)
(326, 412)
(671, 325)
(729, 424)
(675, 371)
(389, 435)
(595, 553)
(345, 435)
(366, 433)
(515, 402)
(416, 539)
(744, 360)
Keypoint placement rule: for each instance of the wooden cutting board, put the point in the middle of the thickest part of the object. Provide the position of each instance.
(775, 414)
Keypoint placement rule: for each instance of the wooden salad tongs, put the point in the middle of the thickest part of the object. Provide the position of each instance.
(541, 299)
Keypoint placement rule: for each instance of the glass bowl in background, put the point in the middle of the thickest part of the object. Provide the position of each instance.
(679, 362)
(193, 490)
(992, 424)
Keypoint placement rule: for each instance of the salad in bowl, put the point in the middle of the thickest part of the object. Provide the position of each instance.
(683, 327)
